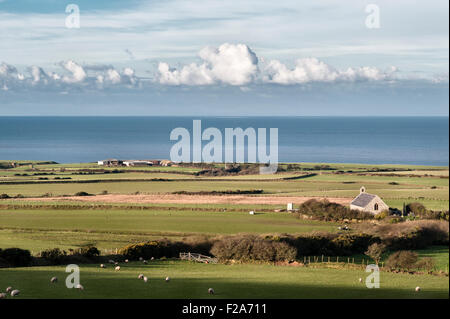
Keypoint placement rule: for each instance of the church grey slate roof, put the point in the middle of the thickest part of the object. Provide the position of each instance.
(362, 200)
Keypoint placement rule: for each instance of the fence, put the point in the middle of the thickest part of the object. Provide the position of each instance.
(198, 257)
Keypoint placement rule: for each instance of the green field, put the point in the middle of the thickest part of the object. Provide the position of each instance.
(110, 229)
(42, 224)
(399, 184)
(192, 280)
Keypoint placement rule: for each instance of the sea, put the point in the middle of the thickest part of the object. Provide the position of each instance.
(366, 140)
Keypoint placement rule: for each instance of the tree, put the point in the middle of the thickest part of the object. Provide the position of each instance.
(375, 251)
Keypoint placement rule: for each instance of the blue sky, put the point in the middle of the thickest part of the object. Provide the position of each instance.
(219, 57)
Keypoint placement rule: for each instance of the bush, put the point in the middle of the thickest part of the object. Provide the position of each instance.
(426, 263)
(324, 210)
(416, 208)
(88, 252)
(403, 259)
(82, 194)
(4, 196)
(16, 257)
(250, 248)
(55, 256)
(375, 251)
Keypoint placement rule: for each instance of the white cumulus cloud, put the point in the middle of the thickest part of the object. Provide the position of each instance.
(313, 70)
(233, 64)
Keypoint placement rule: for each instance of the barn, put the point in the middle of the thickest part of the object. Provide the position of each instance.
(368, 203)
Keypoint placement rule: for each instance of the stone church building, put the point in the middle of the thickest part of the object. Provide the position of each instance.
(368, 203)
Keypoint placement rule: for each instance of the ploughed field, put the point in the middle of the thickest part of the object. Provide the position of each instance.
(192, 280)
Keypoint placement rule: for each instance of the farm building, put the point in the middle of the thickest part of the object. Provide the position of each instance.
(137, 163)
(110, 162)
(368, 203)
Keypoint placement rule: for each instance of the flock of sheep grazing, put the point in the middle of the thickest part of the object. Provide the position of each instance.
(54, 280)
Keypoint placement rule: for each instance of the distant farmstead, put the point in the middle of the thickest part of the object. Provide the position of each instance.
(368, 203)
(137, 163)
(110, 162)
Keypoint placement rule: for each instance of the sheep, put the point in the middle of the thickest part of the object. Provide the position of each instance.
(2, 295)
(141, 276)
(153, 258)
(117, 268)
(145, 279)
(126, 260)
(144, 261)
(15, 292)
(417, 289)
(54, 280)
(167, 279)
(79, 286)
(141, 259)
(9, 289)
(360, 279)
(211, 291)
(102, 266)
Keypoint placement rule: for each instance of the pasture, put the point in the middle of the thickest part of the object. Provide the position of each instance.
(396, 184)
(191, 280)
(109, 229)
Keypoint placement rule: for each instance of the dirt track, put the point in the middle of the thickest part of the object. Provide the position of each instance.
(193, 199)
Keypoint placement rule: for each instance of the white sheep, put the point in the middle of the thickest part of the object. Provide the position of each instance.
(79, 286)
(15, 292)
(126, 260)
(9, 289)
(211, 291)
(54, 280)
(102, 266)
(360, 279)
(417, 289)
(167, 279)
(153, 258)
(145, 279)
(141, 259)
(144, 261)
(141, 276)
(2, 295)
(117, 268)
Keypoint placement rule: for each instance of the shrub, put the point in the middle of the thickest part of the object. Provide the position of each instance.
(82, 194)
(375, 251)
(55, 256)
(88, 252)
(403, 259)
(426, 263)
(325, 210)
(250, 247)
(4, 196)
(382, 215)
(416, 208)
(16, 257)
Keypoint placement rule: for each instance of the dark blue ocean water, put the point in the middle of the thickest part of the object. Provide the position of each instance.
(380, 140)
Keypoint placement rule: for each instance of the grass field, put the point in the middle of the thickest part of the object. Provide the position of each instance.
(191, 280)
(110, 229)
(401, 184)
(41, 223)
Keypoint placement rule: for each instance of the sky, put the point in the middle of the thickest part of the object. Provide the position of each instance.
(231, 58)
